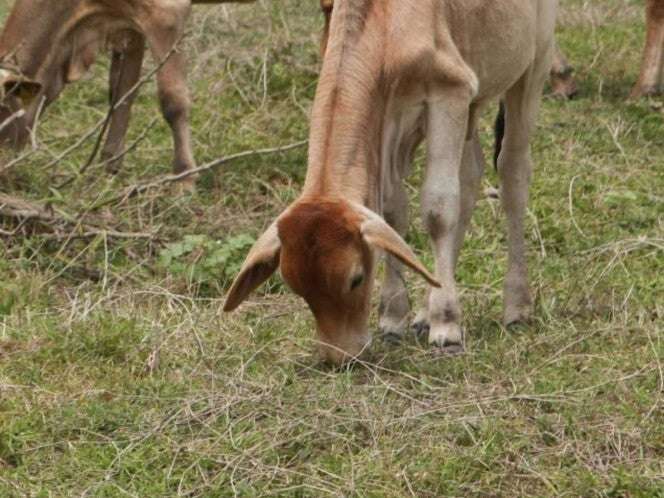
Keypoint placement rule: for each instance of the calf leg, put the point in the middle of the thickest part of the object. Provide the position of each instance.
(470, 175)
(163, 34)
(441, 212)
(515, 168)
(125, 73)
(394, 303)
(650, 77)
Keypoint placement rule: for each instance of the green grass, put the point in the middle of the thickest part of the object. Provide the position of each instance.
(239, 404)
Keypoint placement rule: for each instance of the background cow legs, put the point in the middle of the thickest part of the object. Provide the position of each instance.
(173, 91)
(125, 73)
(650, 77)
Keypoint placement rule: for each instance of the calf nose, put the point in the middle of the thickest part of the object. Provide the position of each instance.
(350, 348)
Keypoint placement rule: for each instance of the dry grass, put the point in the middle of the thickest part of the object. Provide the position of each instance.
(121, 377)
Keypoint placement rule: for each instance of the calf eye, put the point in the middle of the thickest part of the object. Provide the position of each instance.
(356, 282)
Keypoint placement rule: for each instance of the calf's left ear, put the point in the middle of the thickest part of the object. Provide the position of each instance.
(378, 233)
(262, 261)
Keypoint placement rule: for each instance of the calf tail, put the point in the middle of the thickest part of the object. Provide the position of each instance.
(499, 133)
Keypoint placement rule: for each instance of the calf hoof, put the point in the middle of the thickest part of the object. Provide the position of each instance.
(112, 166)
(517, 315)
(447, 338)
(421, 329)
(450, 350)
(640, 91)
(391, 337)
(186, 186)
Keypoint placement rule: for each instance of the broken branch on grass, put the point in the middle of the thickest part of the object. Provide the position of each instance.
(58, 222)
(143, 187)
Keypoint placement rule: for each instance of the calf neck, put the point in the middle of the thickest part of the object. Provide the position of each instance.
(397, 72)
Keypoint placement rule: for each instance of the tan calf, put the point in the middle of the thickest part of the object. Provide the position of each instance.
(46, 45)
(396, 72)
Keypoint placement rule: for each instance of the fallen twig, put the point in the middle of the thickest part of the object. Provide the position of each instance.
(143, 187)
(57, 221)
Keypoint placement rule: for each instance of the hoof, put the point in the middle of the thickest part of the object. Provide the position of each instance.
(644, 91)
(391, 338)
(112, 166)
(516, 317)
(185, 187)
(450, 350)
(421, 329)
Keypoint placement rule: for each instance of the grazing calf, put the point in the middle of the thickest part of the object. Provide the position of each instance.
(652, 67)
(46, 45)
(397, 72)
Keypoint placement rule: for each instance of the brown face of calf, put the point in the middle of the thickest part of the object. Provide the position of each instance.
(325, 249)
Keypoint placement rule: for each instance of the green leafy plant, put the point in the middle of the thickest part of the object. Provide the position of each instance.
(206, 262)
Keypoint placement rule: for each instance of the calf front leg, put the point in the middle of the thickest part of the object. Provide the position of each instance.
(441, 212)
(472, 169)
(126, 63)
(653, 55)
(394, 303)
(174, 98)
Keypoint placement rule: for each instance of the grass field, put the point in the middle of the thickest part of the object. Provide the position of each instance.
(120, 376)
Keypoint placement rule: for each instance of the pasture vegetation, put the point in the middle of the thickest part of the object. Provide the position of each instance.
(119, 375)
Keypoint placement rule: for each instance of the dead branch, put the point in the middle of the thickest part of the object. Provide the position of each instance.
(59, 224)
(140, 188)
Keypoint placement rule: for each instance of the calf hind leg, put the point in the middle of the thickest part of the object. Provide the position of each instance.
(515, 169)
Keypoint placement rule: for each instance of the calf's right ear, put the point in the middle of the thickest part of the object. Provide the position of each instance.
(262, 261)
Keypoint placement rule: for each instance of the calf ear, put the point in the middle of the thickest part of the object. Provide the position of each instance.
(378, 233)
(25, 90)
(262, 261)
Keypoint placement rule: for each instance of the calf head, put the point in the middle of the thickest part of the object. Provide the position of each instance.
(16, 94)
(325, 250)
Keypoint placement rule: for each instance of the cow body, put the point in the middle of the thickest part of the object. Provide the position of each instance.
(397, 72)
(54, 43)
